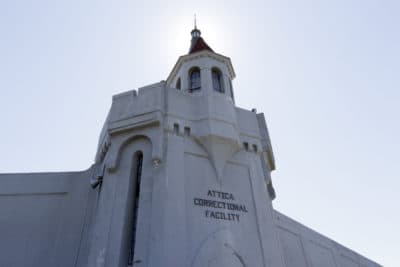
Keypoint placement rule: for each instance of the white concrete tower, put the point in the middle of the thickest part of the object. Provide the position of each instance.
(184, 174)
(206, 77)
(181, 179)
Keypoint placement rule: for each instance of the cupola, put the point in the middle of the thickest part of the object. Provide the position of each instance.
(202, 71)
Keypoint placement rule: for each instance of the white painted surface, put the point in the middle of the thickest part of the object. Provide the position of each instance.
(75, 225)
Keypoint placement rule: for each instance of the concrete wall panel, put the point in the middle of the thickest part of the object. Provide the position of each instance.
(319, 250)
(42, 218)
(292, 248)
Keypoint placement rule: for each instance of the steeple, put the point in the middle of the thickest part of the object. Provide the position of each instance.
(197, 43)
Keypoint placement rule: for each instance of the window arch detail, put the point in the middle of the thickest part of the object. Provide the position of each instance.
(194, 79)
(217, 80)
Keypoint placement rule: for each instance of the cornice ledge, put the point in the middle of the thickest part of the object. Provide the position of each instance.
(204, 53)
(140, 121)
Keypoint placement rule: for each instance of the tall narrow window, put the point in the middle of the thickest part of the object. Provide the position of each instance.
(231, 90)
(194, 78)
(138, 176)
(178, 84)
(217, 80)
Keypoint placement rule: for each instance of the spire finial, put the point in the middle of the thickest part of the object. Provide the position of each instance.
(195, 32)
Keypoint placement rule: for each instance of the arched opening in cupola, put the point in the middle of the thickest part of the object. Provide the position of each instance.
(194, 79)
(217, 80)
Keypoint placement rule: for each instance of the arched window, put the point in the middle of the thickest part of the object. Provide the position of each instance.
(218, 84)
(178, 84)
(194, 79)
(138, 176)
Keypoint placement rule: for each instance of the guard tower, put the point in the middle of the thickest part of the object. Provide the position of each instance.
(184, 174)
(181, 179)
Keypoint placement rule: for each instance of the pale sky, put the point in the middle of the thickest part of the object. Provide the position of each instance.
(325, 73)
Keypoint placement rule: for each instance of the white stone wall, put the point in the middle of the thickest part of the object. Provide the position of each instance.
(210, 156)
(304, 247)
(203, 196)
(43, 217)
(198, 140)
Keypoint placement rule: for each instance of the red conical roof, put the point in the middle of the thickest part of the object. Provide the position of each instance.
(198, 44)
